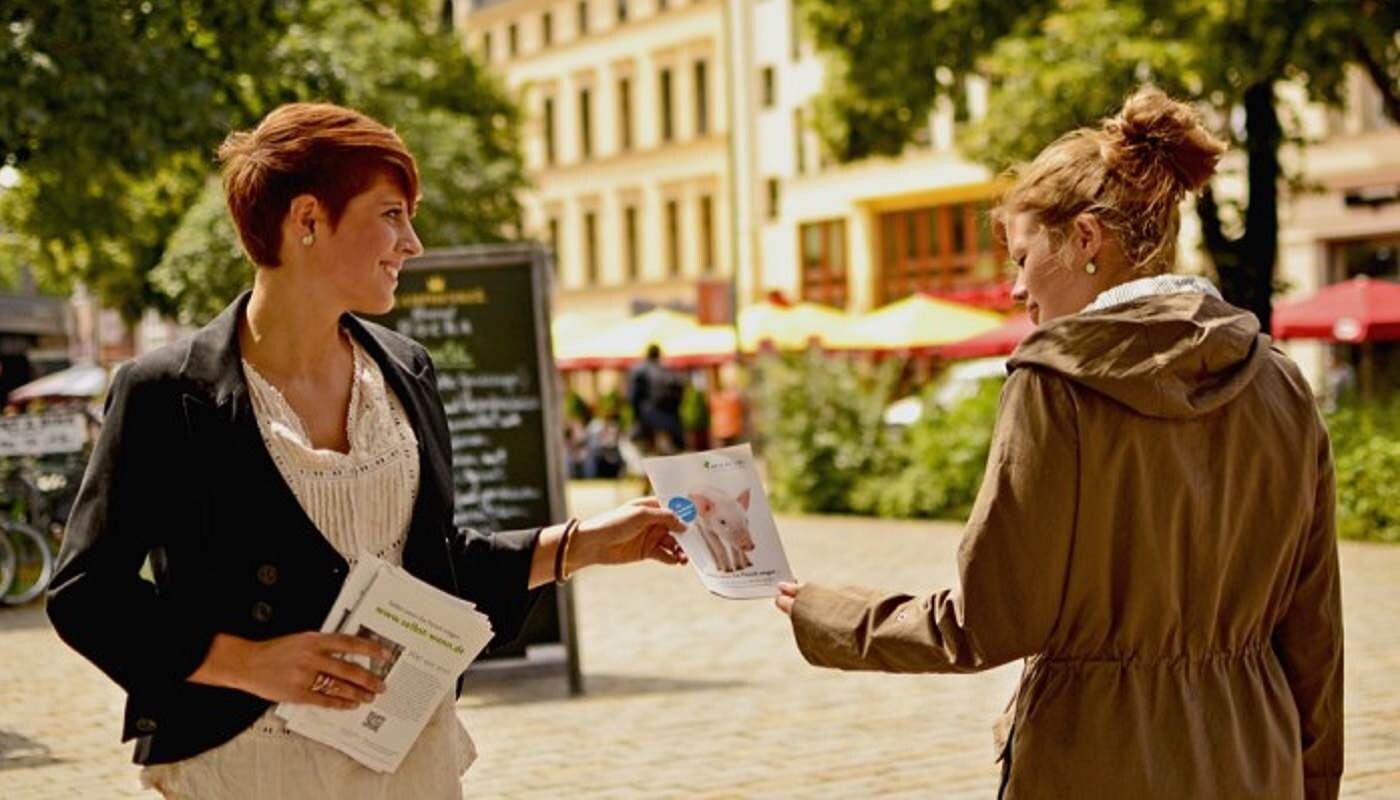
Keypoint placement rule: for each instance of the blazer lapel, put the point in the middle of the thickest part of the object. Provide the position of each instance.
(427, 551)
(419, 399)
(227, 423)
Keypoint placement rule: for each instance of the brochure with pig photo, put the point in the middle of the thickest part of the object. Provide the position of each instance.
(731, 538)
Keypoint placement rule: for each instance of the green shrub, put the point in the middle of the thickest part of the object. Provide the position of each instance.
(820, 419)
(1366, 451)
(695, 409)
(938, 461)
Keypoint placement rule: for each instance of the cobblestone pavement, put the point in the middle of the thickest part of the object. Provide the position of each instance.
(692, 696)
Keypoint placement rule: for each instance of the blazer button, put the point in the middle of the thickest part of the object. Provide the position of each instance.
(262, 612)
(267, 574)
(146, 725)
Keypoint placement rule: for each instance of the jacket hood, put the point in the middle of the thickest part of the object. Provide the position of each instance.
(1173, 356)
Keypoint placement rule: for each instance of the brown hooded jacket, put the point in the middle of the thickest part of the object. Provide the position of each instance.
(1155, 536)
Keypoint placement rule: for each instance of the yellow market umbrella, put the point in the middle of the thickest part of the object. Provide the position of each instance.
(627, 341)
(915, 323)
(790, 327)
(571, 329)
(701, 346)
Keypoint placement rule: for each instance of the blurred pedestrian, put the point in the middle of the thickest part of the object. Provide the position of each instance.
(255, 462)
(655, 393)
(1155, 532)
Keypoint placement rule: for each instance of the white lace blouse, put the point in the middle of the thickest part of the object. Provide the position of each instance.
(360, 501)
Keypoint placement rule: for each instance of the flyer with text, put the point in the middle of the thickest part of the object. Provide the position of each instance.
(431, 636)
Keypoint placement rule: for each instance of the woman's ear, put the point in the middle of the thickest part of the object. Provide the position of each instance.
(304, 214)
(1088, 235)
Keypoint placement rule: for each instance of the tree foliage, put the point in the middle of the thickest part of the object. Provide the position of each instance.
(116, 166)
(107, 111)
(1054, 66)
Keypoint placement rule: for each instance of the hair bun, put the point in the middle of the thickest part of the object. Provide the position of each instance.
(1155, 140)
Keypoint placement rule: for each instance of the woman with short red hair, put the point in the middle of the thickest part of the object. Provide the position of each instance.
(252, 464)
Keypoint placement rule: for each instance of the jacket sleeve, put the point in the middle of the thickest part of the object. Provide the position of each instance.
(1012, 562)
(493, 572)
(492, 568)
(1308, 639)
(99, 602)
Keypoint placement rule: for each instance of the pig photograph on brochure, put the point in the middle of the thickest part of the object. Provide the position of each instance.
(723, 522)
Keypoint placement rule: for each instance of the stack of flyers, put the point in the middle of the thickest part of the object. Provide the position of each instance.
(432, 637)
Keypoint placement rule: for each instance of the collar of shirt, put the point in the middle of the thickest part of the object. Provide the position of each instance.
(1148, 287)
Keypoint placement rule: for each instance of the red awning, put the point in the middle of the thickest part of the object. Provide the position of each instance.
(998, 342)
(1359, 310)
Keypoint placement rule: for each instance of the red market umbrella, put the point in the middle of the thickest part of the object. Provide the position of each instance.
(1359, 310)
(997, 342)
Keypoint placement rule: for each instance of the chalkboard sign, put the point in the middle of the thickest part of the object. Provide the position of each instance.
(482, 312)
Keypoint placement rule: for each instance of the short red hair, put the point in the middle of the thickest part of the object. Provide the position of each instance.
(327, 151)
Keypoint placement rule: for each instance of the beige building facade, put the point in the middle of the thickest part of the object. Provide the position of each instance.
(670, 145)
(626, 141)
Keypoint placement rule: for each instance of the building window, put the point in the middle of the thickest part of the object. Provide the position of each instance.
(799, 141)
(673, 238)
(590, 248)
(547, 28)
(549, 152)
(668, 122)
(513, 39)
(796, 16)
(702, 99)
(770, 87)
(624, 109)
(621, 11)
(937, 248)
(486, 46)
(773, 198)
(583, 17)
(554, 241)
(707, 233)
(823, 249)
(585, 122)
(629, 238)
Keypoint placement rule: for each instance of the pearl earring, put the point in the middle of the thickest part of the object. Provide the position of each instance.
(1091, 268)
(309, 239)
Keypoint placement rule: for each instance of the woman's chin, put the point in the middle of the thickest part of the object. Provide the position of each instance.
(376, 307)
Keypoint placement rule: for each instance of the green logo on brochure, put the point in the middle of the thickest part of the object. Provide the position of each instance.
(683, 508)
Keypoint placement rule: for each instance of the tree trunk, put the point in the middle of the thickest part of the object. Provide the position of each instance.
(1246, 265)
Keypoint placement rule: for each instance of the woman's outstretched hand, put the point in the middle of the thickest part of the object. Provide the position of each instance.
(636, 531)
(787, 597)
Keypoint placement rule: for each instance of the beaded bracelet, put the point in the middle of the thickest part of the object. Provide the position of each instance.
(561, 552)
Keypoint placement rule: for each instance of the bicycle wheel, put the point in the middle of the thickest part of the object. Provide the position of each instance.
(7, 564)
(33, 563)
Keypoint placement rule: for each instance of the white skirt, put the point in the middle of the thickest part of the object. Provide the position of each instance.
(268, 761)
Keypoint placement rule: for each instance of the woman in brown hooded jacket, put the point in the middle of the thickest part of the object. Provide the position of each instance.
(1154, 534)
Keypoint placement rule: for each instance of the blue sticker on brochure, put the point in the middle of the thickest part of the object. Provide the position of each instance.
(683, 508)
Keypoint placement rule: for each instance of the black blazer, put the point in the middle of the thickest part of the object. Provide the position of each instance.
(180, 474)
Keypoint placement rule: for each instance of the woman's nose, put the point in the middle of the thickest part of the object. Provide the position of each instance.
(410, 243)
(1019, 292)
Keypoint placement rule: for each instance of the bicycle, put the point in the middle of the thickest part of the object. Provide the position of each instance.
(33, 562)
(8, 563)
(36, 502)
